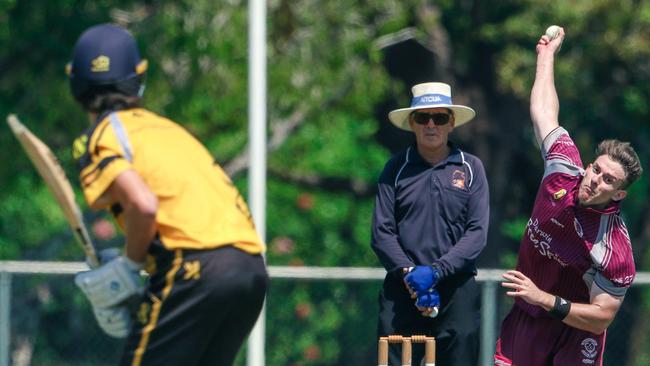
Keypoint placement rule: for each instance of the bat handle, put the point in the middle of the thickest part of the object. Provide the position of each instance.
(89, 249)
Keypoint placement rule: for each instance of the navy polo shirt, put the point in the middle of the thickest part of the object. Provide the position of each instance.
(428, 214)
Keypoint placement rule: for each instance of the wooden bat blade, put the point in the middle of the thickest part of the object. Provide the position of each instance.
(51, 171)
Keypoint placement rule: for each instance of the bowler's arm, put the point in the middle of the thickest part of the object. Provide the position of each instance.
(544, 102)
(594, 317)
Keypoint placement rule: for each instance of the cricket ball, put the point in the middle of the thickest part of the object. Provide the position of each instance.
(552, 32)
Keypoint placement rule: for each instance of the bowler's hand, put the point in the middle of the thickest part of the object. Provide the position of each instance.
(525, 289)
(545, 44)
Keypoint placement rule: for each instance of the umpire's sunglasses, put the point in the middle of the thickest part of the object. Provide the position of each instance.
(439, 119)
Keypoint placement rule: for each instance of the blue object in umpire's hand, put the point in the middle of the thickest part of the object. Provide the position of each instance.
(429, 300)
(422, 278)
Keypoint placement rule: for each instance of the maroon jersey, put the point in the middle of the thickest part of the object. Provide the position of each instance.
(568, 248)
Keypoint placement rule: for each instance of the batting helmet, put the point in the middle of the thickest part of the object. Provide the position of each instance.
(106, 59)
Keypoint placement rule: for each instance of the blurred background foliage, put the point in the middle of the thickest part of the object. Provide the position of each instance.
(335, 68)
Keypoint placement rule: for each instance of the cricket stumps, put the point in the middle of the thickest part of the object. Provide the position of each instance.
(429, 349)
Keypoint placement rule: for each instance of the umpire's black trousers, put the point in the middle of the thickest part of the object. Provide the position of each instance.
(456, 328)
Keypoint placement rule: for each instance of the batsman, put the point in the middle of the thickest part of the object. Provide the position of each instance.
(184, 222)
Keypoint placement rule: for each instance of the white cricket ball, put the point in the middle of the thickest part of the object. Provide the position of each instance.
(434, 313)
(552, 32)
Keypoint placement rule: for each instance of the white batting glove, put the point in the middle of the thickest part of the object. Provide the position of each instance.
(112, 283)
(114, 321)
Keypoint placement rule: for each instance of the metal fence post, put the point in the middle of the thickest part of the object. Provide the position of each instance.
(257, 146)
(488, 322)
(5, 308)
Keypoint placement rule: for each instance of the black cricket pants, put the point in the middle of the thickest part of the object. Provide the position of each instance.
(456, 328)
(199, 307)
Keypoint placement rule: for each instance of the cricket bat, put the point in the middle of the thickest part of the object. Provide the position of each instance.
(52, 172)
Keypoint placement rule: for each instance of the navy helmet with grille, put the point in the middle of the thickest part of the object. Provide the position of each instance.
(106, 59)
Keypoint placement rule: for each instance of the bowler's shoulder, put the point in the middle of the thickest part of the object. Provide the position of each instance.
(557, 141)
(618, 233)
(619, 267)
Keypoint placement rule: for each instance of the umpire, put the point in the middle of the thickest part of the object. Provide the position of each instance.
(183, 219)
(429, 225)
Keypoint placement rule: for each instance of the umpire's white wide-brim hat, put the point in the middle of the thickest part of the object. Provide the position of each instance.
(431, 95)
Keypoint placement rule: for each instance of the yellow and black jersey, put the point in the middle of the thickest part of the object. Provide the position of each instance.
(198, 206)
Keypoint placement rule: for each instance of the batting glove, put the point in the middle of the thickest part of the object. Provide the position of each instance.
(112, 283)
(422, 278)
(114, 321)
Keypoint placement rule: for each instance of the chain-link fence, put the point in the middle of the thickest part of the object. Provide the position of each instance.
(312, 318)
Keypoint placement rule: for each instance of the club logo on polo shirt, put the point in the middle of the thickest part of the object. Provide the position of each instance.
(589, 350)
(559, 194)
(458, 179)
(578, 227)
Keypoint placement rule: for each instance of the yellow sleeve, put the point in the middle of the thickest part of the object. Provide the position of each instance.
(103, 163)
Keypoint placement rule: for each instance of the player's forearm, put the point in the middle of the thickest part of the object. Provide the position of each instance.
(544, 102)
(391, 254)
(590, 317)
(139, 205)
(140, 230)
(594, 317)
(384, 239)
(462, 255)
